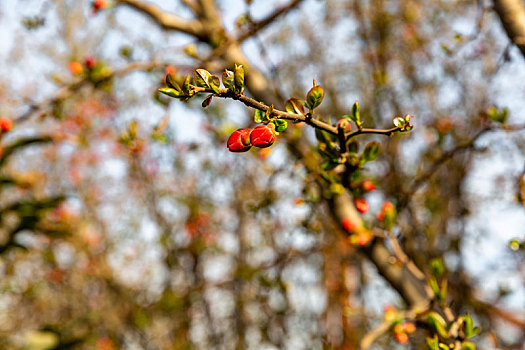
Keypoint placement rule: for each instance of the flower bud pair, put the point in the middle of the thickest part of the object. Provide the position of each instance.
(241, 140)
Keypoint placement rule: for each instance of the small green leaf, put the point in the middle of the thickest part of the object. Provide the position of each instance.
(170, 92)
(260, 116)
(201, 77)
(186, 87)
(207, 101)
(514, 244)
(353, 147)
(438, 324)
(329, 165)
(314, 97)
(437, 268)
(432, 343)
(214, 83)
(432, 283)
(228, 79)
(468, 325)
(170, 81)
(239, 79)
(294, 106)
(280, 125)
(399, 122)
(356, 116)
(499, 116)
(371, 151)
(321, 136)
(443, 291)
(269, 111)
(468, 346)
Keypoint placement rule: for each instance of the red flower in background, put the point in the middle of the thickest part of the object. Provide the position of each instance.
(361, 205)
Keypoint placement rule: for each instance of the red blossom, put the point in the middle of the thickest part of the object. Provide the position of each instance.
(76, 68)
(90, 62)
(402, 338)
(263, 136)
(6, 124)
(361, 205)
(349, 225)
(239, 140)
(368, 186)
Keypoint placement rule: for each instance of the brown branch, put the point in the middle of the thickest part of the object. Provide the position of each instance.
(68, 90)
(410, 287)
(308, 119)
(167, 20)
(421, 179)
(193, 6)
(255, 27)
(512, 16)
(370, 337)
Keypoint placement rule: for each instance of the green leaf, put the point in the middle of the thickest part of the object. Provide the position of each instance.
(201, 77)
(280, 125)
(214, 83)
(438, 324)
(468, 325)
(499, 116)
(329, 165)
(239, 79)
(399, 122)
(468, 346)
(432, 343)
(170, 81)
(353, 147)
(228, 79)
(294, 106)
(356, 117)
(443, 291)
(432, 283)
(321, 136)
(371, 151)
(260, 116)
(186, 87)
(170, 92)
(314, 97)
(437, 268)
(207, 101)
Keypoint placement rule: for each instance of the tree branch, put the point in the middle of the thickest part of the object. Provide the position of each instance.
(421, 179)
(512, 16)
(255, 27)
(67, 90)
(167, 20)
(308, 119)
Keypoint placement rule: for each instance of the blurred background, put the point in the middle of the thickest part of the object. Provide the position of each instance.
(126, 223)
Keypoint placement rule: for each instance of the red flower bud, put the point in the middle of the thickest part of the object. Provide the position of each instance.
(239, 140)
(368, 186)
(343, 124)
(409, 327)
(99, 4)
(349, 225)
(263, 136)
(402, 338)
(6, 124)
(388, 207)
(90, 62)
(75, 68)
(361, 205)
